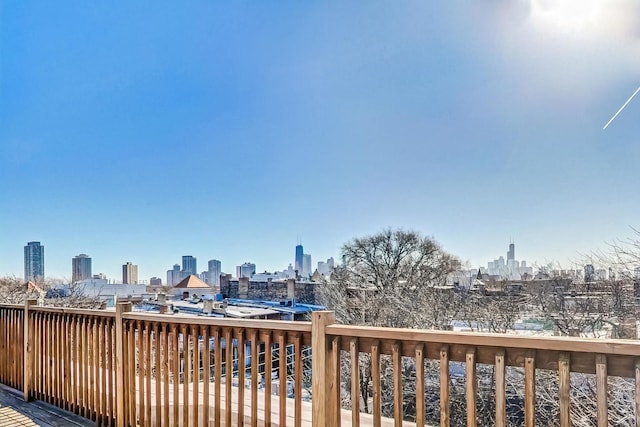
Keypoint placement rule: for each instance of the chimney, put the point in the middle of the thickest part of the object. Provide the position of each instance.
(207, 307)
(162, 298)
(165, 308)
(243, 288)
(291, 289)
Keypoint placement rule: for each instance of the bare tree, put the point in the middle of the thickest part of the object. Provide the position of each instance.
(48, 292)
(394, 278)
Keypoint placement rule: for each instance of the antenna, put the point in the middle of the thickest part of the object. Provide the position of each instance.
(621, 108)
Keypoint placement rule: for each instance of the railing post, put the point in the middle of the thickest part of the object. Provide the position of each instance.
(27, 374)
(120, 385)
(323, 371)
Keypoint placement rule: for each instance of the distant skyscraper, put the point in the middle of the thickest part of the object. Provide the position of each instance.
(246, 270)
(189, 265)
(306, 265)
(80, 268)
(175, 276)
(299, 258)
(511, 255)
(33, 261)
(155, 281)
(129, 274)
(215, 269)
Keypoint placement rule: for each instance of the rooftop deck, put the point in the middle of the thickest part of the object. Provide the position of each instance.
(136, 369)
(15, 412)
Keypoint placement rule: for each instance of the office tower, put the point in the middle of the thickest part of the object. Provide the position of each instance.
(511, 255)
(174, 276)
(80, 268)
(155, 281)
(33, 261)
(189, 265)
(215, 269)
(129, 274)
(299, 258)
(245, 270)
(306, 265)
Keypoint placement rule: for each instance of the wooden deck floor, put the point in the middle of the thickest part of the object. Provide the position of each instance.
(15, 412)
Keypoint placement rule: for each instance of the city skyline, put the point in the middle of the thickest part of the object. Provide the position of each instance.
(470, 123)
(83, 264)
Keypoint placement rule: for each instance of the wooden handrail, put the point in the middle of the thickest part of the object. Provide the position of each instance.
(275, 325)
(572, 344)
(76, 311)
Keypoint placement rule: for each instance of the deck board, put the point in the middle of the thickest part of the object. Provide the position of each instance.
(15, 412)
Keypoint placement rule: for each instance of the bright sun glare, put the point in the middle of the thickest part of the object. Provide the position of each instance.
(569, 16)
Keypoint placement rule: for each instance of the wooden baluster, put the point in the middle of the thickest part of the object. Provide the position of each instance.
(131, 337)
(165, 374)
(49, 351)
(102, 369)
(228, 376)
(420, 407)
(186, 368)
(501, 395)
(282, 378)
(601, 387)
(241, 373)
(354, 353)
(530, 389)
(75, 369)
(111, 361)
(123, 382)
(142, 413)
(93, 384)
(195, 378)
(254, 378)
(268, 366)
(85, 368)
(444, 386)
(157, 352)
(206, 366)
(564, 373)
(398, 412)
(175, 351)
(471, 387)
(335, 361)
(375, 373)
(297, 379)
(217, 376)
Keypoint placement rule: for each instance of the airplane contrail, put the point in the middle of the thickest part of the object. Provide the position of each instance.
(621, 108)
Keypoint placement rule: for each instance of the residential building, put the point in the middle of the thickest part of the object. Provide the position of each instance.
(129, 274)
(80, 268)
(33, 261)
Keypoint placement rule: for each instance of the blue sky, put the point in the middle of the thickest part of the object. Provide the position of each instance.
(144, 131)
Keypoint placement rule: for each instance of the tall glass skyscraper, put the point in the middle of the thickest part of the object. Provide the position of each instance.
(299, 258)
(80, 268)
(189, 265)
(33, 261)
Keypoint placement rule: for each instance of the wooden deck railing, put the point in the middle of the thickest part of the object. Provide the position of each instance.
(129, 369)
(11, 345)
